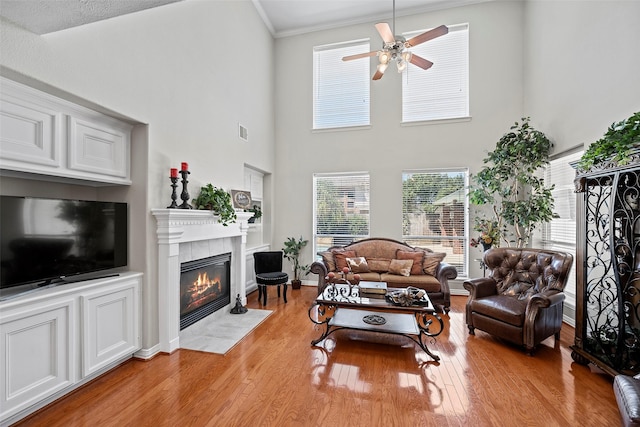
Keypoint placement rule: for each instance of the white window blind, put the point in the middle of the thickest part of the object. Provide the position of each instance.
(341, 209)
(442, 91)
(434, 213)
(560, 233)
(340, 88)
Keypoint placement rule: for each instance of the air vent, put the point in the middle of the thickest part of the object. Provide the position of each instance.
(243, 133)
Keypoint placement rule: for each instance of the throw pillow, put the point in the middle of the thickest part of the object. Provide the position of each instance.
(417, 258)
(358, 265)
(431, 262)
(401, 267)
(341, 258)
(327, 258)
(379, 265)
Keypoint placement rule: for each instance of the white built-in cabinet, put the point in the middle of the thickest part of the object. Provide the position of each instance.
(45, 136)
(56, 339)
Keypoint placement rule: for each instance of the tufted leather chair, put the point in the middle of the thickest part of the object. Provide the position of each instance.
(521, 299)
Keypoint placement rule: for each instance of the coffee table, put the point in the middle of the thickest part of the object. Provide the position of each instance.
(344, 307)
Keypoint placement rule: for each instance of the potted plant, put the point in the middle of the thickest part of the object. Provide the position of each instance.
(257, 213)
(511, 185)
(489, 233)
(292, 249)
(218, 201)
(616, 145)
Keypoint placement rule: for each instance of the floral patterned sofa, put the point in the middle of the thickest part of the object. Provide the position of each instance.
(391, 261)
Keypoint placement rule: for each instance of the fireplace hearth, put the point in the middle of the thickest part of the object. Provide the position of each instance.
(205, 287)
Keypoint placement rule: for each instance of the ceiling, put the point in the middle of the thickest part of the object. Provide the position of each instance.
(283, 17)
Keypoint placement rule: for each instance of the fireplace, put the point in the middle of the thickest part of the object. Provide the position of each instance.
(205, 287)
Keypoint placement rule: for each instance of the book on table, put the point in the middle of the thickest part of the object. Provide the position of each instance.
(377, 288)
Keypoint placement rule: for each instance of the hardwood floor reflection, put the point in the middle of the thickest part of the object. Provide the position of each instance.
(275, 378)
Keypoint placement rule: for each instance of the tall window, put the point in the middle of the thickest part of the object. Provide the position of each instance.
(441, 92)
(341, 209)
(560, 233)
(434, 213)
(340, 88)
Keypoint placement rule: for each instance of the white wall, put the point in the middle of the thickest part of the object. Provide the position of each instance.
(582, 67)
(191, 71)
(387, 148)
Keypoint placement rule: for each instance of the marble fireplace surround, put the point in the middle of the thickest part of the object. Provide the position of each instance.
(186, 235)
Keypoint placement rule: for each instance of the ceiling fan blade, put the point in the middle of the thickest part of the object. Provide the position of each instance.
(428, 35)
(378, 75)
(385, 32)
(360, 55)
(420, 62)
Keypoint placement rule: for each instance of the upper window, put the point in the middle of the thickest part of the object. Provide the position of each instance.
(442, 91)
(340, 88)
(341, 209)
(434, 211)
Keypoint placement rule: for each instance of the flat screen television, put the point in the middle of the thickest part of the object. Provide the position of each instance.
(48, 241)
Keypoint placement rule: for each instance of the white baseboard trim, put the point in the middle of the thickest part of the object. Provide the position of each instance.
(147, 353)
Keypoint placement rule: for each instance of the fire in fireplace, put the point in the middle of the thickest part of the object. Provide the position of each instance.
(205, 287)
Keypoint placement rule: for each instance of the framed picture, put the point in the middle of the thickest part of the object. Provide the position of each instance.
(241, 199)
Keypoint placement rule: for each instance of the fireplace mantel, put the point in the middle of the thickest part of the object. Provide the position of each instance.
(183, 235)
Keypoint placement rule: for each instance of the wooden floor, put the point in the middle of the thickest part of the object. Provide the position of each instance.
(275, 378)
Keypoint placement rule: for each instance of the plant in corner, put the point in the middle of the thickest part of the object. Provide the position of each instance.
(292, 249)
(511, 185)
(218, 201)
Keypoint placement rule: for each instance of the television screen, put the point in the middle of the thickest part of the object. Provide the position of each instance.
(45, 240)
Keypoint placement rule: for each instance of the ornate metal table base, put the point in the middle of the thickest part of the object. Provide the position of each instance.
(417, 325)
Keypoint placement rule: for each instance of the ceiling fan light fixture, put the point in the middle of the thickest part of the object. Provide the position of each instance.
(402, 65)
(382, 67)
(384, 57)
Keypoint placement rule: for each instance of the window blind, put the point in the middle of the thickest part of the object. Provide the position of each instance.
(340, 88)
(442, 91)
(341, 209)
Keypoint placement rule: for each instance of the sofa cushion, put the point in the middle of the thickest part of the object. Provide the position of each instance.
(428, 283)
(358, 265)
(329, 261)
(431, 261)
(417, 257)
(366, 277)
(379, 265)
(401, 267)
(341, 258)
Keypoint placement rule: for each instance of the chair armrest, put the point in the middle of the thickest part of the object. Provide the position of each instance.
(321, 270)
(480, 287)
(546, 299)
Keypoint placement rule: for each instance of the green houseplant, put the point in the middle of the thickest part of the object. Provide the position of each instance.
(218, 201)
(257, 213)
(616, 145)
(292, 249)
(511, 185)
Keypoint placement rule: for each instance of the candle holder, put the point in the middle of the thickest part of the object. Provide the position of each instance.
(185, 194)
(174, 195)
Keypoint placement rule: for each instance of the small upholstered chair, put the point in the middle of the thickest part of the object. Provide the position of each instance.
(521, 300)
(268, 268)
(627, 392)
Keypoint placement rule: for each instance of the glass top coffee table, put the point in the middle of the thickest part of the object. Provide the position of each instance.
(344, 307)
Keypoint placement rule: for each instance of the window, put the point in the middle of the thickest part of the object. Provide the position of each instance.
(341, 209)
(340, 88)
(442, 92)
(434, 213)
(560, 233)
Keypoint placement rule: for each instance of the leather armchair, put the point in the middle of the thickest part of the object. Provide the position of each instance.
(521, 299)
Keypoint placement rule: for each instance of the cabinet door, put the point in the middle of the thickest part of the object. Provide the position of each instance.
(99, 146)
(29, 135)
(36, 353)
(110, 328)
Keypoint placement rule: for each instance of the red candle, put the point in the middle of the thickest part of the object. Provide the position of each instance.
(174, 172)
(331, 275)
(345, 270)
(184, 166)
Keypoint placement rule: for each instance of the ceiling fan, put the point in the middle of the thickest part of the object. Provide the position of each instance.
(393, 47)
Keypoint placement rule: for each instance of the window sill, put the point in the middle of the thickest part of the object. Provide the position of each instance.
(341, 129)
(438, 121)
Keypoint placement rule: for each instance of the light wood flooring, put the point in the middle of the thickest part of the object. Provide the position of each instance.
(273, 377)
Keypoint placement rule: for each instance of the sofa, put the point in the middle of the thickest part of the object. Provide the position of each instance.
(627, 391)
(387, 260)
(521, 299)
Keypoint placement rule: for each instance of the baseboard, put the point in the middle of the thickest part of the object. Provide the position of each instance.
(147, 353)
